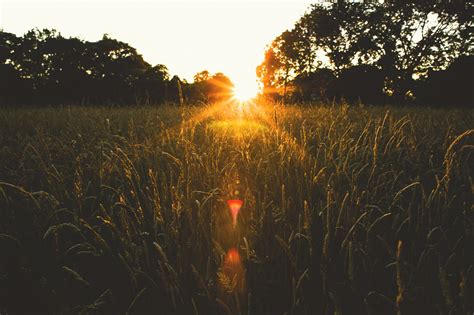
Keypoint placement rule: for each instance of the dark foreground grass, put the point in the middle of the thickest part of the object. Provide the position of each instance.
(347, 210)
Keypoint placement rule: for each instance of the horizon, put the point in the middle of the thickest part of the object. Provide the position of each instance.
(234, 48)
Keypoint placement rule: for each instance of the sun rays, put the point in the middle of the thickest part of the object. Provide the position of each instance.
(245, 91)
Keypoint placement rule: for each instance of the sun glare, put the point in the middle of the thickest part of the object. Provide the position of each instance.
(245, 90)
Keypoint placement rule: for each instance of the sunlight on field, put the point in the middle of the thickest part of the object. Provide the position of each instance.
(237, 126)
(238, 119)
(126, 198)
(248, 119)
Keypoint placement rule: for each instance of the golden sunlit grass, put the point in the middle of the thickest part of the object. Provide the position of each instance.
(354, 209)
(242, 127)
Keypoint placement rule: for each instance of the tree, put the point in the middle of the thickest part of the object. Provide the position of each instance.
(452, 86)
(315, 86)
(12, 85)
(43, 67)
(151, 85)
(117, 67)
(270, 70)
(402, 39)
(210, 88)
(202, 76)
(352, 87)
(415, 38)
(220, 87)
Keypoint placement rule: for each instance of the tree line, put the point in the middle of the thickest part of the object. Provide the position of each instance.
(395, 51)
(43, 67)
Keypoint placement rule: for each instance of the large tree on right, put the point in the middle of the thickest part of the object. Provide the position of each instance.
(403, 39)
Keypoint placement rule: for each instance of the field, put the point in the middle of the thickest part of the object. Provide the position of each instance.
(346, 210)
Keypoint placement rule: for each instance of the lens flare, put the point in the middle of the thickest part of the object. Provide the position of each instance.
(232, 258)
(231, 275)
(234, 205)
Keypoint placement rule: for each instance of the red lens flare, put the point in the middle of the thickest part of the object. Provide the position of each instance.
(232, 258)
(231, 275)
(234, 205)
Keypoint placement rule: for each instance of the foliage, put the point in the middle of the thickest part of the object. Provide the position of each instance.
(453, 84)
(43, 67)
(402, 39)
(210, 88)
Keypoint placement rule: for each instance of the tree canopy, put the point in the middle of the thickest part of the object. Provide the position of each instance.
(43, 67)
(401, 43)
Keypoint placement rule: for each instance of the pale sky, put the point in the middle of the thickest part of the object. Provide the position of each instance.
(187, 35)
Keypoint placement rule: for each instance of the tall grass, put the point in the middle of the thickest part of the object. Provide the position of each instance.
(347, 210)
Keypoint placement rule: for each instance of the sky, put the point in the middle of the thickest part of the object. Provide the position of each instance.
(187, 36)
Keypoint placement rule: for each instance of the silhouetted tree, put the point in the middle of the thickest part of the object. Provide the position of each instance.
(43, 67)
(220, 87)
(210, 88)
(12, 87)
(202, 76)
(401, 39)
(151, 86)
(271, 71)
(117, 67)
(315, 86)
(363, 82)
(453, 86)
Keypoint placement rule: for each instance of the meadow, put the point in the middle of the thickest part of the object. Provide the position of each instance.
(346, 210)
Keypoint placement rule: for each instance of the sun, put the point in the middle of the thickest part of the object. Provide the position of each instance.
(245, 90)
